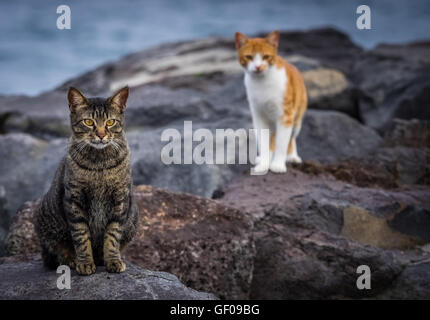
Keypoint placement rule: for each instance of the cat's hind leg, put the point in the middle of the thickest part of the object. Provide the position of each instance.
(292, 155)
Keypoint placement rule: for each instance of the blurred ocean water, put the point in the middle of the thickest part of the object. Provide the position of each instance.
(35, 56)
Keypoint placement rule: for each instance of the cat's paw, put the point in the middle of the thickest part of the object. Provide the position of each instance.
(258, 158)
(294, 159)
(85, 268)
(260, 168)
(278, 166)
(115, 266)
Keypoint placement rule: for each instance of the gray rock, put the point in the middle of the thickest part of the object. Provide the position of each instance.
(312, 231)
(408, 133)
(393, 85)
(27, 167)
(4, 219)
(30, 281)
(330, 136)
(412, 283)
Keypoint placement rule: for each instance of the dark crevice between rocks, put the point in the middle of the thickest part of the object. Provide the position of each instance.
(3, 119)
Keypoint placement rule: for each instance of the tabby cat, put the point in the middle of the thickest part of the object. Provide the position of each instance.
(277, 99)
(89, 213)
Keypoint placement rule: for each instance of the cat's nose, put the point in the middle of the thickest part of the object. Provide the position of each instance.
(101, 133)
(259, 67)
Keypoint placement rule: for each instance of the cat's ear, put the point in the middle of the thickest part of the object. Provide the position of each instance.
(76, 99)
(119, 99)
(240, 40)
(273, 38)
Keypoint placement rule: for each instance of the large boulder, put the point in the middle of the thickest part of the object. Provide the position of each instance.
(330, 136)
(394, 82)
(208, 246)
(312, 231)
(27, 166)
(31, 281)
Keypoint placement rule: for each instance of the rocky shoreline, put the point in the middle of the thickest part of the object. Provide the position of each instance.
(360, 197)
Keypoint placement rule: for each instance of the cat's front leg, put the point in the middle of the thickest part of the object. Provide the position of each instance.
(262, 137)
(113, 234)
(80, 232)
(282, 139)
(111, 248)
(84, 253)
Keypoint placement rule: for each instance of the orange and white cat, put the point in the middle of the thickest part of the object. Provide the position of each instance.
(277, 99)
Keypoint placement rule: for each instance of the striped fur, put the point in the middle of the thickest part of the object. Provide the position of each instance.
(89, 214)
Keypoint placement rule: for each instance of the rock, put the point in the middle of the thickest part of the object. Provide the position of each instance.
(27, 166)
(320, 139)
(45, 115)
(30, 281)
(305, 264)
(402, 158)
(4, 219)
(207, 245)
(22, 239)
(408, 133)
(411, 284)
(330, 89)
(398, 86)
(312, 231)
(417, 51)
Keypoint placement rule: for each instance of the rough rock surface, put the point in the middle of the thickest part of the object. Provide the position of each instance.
(31, 281)
(207, 245)
(313, 231)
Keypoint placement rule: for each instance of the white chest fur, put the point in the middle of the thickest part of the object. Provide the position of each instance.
(266, 92)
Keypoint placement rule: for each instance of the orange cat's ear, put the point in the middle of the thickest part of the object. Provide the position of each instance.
(240, 39)
(119, 99)
(273, 38)
(76, 99)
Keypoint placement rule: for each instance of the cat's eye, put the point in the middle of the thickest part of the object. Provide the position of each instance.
(110, 122)
(265, 57)
(89, 122)
(249, 57)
